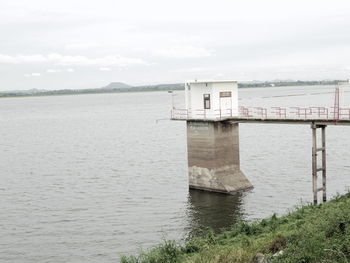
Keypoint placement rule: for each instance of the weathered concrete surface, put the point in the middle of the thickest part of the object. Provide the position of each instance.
(213, 157)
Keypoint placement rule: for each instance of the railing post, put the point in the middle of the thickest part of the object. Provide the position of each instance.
(314, 163)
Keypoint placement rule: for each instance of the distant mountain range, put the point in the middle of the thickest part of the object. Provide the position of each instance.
(115, 87)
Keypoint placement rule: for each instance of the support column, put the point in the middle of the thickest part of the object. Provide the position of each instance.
(324, 164)
(213, 157)
(315, 168)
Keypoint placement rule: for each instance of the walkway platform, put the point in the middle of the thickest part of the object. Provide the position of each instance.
(342, 122)
(274, 115)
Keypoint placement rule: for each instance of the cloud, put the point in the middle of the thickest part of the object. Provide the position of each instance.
(184, 52)
(6, 59)
(85, 61)
(105, 69)
(32, 75)
(80, 46)
(191, 70)
(53, 70)
(58, 59)
(70, 70)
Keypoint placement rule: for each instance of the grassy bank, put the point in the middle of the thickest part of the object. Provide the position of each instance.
(313, 233)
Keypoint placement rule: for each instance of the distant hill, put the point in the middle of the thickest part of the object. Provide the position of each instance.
(116, 85)
(113, 87)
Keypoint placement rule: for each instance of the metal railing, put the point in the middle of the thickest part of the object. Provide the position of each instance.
(316, 112)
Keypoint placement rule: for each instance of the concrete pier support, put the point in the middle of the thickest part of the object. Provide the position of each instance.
(213, 157)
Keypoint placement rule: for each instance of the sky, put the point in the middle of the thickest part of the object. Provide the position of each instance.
(75, 44)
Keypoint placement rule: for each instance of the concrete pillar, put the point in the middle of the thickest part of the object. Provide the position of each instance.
(213, 157)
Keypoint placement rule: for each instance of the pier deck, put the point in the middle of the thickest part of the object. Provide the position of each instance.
(343, 122)
(274, 115)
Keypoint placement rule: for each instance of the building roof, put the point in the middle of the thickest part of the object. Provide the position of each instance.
(210, 81)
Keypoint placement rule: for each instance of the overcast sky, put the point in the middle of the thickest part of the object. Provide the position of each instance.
(90, 43)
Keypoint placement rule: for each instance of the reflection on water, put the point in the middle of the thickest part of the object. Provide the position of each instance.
(212, 210)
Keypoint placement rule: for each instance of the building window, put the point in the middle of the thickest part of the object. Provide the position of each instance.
(206, 101)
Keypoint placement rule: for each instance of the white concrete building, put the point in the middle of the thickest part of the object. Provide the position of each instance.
(209, 99)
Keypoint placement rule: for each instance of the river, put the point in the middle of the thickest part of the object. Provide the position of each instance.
(88, 178)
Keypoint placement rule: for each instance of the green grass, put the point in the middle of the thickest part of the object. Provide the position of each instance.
(312, 233)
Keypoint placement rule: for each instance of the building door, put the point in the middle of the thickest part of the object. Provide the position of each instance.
(226, 103)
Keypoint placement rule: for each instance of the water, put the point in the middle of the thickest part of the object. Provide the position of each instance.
(88, 178)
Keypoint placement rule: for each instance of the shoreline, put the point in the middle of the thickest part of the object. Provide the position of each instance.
(21, 94)
(311, 233)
